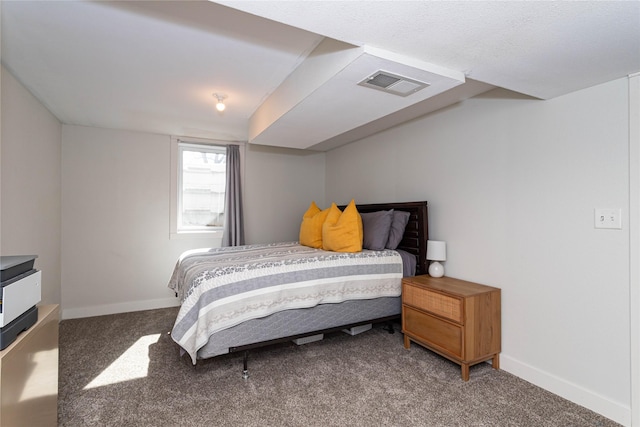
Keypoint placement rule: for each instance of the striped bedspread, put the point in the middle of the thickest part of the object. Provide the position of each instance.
(223, 287)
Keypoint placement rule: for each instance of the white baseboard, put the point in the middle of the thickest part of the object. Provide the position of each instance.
(572, 392)
(125, 307)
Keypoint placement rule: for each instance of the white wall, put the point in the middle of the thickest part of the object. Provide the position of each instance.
(512, 184)
(30, 183)
(634, 225)
(117, 255)
(281, 183)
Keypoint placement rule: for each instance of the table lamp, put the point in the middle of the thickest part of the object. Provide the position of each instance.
(436, 252)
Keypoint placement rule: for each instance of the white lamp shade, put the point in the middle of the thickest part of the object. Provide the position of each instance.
(436, 250)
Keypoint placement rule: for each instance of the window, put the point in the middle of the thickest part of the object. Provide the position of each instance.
(201, 185)
(198, 182)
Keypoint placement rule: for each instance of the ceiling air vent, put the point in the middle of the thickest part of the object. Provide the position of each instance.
(392, 83)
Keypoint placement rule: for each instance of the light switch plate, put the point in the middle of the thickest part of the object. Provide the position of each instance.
(608, 218)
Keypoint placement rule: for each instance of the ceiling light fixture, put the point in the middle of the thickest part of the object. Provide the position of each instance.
(220, 104)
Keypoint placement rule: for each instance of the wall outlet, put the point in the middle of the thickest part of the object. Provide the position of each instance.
(608, 218)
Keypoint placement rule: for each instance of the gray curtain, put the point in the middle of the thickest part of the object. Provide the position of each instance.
(233, 234)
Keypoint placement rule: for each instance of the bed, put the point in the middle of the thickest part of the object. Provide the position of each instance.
(215, 320)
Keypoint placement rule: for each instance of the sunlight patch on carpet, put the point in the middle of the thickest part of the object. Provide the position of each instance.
(132, 364)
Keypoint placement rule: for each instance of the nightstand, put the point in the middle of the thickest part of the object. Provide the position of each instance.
(457, 319)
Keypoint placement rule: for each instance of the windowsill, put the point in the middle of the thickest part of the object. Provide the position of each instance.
(196, 234)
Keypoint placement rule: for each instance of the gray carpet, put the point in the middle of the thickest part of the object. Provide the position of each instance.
(124, 370)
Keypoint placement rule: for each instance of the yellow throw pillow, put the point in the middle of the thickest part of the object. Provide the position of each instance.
(311, 227)
(342, 231)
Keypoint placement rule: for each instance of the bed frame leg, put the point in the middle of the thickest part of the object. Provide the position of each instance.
(245, 371)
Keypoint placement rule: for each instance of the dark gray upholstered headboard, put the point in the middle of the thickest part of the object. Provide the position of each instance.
(416, 233)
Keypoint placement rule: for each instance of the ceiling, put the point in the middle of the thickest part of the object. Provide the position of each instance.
(290, 69)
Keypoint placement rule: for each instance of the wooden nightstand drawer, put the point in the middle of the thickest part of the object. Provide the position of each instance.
(433, 302)
(443, 335)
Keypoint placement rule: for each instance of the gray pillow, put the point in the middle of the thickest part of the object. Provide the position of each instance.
(398, 224)
(375, 229)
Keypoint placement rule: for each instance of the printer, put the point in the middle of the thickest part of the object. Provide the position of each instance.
(21, 291)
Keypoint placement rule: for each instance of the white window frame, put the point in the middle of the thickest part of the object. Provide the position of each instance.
(176, 176)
